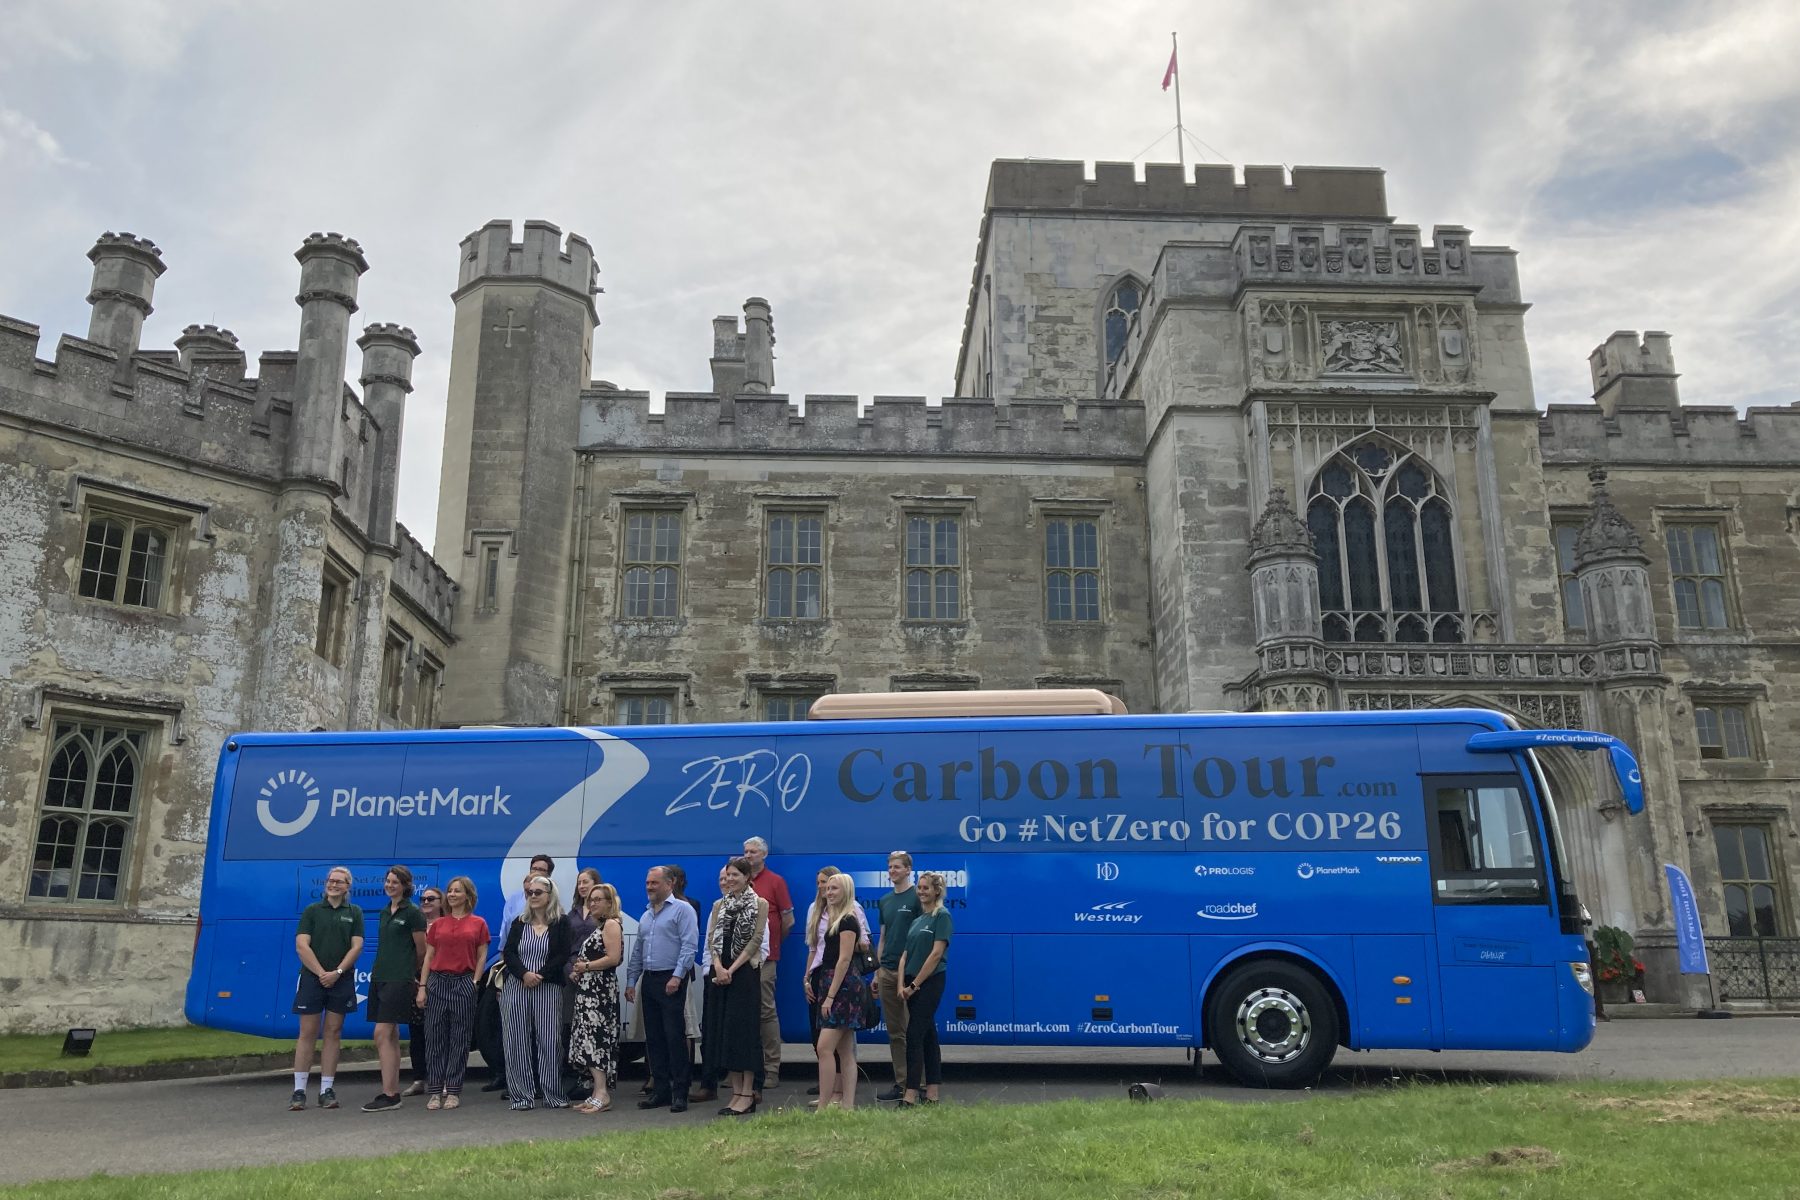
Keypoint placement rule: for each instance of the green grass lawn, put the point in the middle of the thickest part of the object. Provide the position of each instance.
(131, 1048)
(1740, 1140)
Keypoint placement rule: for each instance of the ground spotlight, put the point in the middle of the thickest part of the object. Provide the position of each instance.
(77, 1042)
(1144, 1091)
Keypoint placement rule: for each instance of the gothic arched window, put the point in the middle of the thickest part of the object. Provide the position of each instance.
(1381, 524)
(1122, 303)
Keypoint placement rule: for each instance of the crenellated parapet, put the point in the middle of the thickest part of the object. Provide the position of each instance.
(421, 580)
(540, 255)
(889, 425)
(1689, 435)
(1212, 189)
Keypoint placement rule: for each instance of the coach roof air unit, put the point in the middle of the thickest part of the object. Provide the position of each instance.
(1022, 702)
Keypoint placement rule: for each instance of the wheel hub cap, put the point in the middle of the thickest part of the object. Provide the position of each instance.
(1273, 1025)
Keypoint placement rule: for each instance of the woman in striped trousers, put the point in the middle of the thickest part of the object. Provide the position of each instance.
(455, 945)
(531, 1002)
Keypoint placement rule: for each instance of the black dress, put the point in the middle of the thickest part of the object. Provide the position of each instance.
(594, 1037)
(734, 1012)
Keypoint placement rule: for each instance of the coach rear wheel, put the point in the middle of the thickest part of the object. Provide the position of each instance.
(1272, 1024)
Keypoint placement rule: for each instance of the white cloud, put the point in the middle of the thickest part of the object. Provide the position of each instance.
(23, 138)
(1641, 158)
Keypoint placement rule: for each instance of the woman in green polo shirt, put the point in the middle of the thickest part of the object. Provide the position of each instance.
(921, 973)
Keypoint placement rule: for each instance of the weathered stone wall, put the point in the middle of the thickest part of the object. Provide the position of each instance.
(1709, 464)
(1001, 470)
(184, 440)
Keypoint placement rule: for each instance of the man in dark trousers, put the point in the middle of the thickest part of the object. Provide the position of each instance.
(657, 977)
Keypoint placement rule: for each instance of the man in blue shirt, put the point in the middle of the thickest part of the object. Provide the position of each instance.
(668, 937)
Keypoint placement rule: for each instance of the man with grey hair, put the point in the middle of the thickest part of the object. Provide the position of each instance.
(774, 889)
(329, 942)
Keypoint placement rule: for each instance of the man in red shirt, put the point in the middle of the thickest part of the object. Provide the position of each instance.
(774, 889)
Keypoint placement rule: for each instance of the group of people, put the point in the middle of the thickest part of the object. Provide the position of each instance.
(710, 981)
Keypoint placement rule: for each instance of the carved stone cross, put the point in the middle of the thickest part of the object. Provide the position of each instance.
(509, 328)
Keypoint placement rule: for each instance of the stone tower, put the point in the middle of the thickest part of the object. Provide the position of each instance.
(519, 357)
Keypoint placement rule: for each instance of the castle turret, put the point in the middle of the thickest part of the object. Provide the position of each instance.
(727, 358)
(330, 265)
(1613, 572)
(759, 347)
(387, 364)
(519, 358)
(1631, 375)
(212, 350)
(126, 268)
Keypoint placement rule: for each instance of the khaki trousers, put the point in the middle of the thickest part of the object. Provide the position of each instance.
(771, 1027)
(893, 1011)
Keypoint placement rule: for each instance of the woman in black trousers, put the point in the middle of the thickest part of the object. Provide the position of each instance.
(922, 965)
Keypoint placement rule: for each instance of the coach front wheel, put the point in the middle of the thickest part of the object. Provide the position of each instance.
(1272, 1024)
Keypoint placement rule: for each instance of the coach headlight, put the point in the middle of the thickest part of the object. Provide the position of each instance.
(1583, 976)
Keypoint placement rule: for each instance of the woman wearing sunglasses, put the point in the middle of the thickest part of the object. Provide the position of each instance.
(531, 1000)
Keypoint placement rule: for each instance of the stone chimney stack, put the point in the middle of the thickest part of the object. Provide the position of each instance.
(213, 350)
(1634, 377)
(330, 265)
(125, 272)
(759, 347)
(727, 358)
(387, 364)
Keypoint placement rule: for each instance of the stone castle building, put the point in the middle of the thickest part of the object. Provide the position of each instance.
(1214, 444)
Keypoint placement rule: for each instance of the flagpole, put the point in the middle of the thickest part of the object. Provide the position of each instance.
(1180, 149)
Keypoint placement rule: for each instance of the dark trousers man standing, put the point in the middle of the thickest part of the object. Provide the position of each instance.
(665, 1038)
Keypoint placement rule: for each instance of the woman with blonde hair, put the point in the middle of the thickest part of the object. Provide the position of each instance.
(593, 977)
(455, 946)
(840, 1004)
(537, 950)
(816, 921)
(922, 963)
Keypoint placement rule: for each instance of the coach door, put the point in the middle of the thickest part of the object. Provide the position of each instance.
(1496, 934)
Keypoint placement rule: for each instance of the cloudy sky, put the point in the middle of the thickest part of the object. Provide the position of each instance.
(1643, 157)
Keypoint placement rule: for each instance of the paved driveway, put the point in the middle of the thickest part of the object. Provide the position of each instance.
(189, 1124)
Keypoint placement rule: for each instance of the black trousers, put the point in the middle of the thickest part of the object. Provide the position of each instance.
(665, 1035)
(923, 1063)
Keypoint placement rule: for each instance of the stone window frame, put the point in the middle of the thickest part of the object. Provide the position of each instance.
(934, 509)
(1768, 821)
(1379, 493)
(428, 682)
(615, 687)
(1566, 584)
(1103, 311)
(178, 521)
(796, 510)
(678, 601)
(1049, 512)
(339, 587)
(487, 576)
(1720, 698)
(1724, 521)
(762, 686)
(625, 700)
(396, 652)
(149, 727)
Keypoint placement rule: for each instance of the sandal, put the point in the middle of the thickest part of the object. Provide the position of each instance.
(434, 1103)
(452, 1101)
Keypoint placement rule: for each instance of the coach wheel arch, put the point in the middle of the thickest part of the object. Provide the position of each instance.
(1274, 1019)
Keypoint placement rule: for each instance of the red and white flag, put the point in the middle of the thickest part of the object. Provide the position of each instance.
(1170, 73)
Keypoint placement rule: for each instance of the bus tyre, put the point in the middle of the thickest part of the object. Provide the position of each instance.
(1272, 1024)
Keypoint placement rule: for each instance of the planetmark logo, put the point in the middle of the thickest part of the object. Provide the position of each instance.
(1307, 870)
(288, 784)
(1235, 911)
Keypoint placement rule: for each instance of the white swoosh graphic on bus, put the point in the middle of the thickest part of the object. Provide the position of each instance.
(622, 765)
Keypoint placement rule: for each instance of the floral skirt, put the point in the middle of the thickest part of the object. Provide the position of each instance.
(846, 1012)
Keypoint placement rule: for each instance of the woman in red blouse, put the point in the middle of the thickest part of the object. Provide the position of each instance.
(455, 945)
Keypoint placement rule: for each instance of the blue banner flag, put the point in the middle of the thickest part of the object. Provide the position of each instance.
(1689, 942)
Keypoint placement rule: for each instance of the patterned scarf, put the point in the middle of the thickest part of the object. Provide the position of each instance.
(734, 928)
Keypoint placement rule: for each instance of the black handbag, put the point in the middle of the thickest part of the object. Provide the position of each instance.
(863, 962)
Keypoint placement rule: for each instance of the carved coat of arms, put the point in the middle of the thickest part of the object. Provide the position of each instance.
(1361, 347)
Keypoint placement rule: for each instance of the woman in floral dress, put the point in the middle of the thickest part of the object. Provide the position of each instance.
(594, 1038)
